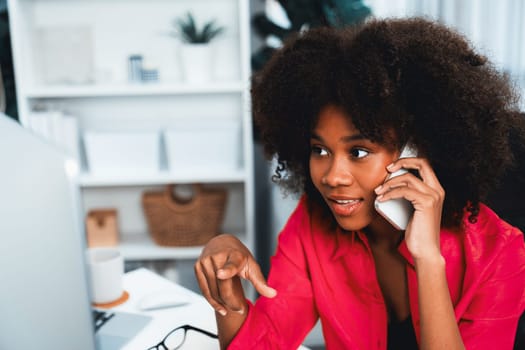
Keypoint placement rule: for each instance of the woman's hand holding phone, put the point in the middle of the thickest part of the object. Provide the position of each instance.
(398, 211)
(426, 196)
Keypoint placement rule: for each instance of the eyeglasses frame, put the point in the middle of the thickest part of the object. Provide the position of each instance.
(186, 328)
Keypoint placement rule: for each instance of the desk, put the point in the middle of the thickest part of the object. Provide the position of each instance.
(198, 312)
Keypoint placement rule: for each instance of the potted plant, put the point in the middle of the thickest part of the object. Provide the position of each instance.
(196, 51)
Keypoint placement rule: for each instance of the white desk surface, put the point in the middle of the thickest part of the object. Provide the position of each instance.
(197, 313)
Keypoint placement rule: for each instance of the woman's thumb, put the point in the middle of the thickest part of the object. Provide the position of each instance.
(254, 275)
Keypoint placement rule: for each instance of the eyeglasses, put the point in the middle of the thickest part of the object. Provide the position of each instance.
(175, 339)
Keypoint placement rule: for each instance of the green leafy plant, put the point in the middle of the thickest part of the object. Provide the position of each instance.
(186, 29)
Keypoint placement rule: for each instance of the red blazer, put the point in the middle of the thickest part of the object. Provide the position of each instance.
(330, 275)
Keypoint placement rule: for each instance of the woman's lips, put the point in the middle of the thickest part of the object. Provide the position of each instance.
(344, 207)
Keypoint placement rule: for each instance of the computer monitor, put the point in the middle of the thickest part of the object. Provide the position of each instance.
(44, 298)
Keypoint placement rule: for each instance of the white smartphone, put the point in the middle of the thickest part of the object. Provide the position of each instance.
(398, 211)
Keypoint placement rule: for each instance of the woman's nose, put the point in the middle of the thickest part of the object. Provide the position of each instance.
(338, 174)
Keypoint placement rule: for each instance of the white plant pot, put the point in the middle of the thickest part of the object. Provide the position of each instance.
(197, 62)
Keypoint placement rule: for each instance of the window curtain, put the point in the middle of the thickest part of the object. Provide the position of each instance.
(495, 28)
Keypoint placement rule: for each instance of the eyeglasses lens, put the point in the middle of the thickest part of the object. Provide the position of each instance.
(175, 339)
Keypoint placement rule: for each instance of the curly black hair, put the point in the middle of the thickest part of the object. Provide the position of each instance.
(414, 76)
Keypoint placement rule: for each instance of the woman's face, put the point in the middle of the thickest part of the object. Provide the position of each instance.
(346, 168)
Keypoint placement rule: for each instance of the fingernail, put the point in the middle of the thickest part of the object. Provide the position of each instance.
(220, 273)
(390, 166)
(378, 188)
(222, 312)
(379, 197)
(241, 311)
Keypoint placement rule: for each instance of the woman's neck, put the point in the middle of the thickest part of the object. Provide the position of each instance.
(381, 233)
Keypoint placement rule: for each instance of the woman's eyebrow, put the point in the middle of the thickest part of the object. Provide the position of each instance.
(354, 137)
(316, 137)
(349, 138)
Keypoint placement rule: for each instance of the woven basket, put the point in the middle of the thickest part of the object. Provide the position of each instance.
(176, 222)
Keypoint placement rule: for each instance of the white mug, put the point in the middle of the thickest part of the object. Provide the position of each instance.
(106, 267)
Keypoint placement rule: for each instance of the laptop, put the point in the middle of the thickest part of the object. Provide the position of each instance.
(44, 294)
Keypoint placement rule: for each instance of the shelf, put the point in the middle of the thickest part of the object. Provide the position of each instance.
(147, 89)
(163, 177)
(142, 247)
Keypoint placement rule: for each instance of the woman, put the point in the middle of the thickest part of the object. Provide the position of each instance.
(336, 107)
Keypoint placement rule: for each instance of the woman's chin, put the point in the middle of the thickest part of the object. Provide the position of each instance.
(352, 223)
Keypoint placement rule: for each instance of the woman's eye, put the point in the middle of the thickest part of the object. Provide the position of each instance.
(319, 151)
(358, 152)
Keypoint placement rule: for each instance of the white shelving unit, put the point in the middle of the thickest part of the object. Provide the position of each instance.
(115, 30)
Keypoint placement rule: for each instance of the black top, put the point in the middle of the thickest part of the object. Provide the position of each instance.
(401, 335)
